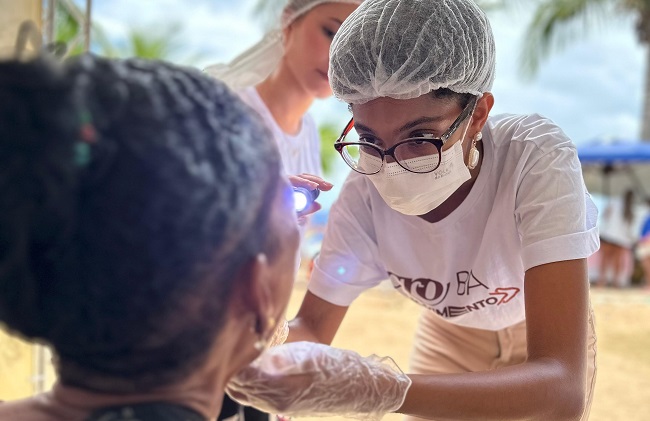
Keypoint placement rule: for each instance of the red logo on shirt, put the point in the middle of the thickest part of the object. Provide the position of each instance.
(506, 294)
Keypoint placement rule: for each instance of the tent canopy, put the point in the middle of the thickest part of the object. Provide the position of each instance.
(614, 167)
(614, 153)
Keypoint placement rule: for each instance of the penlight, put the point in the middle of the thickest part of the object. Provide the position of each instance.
(303, 198)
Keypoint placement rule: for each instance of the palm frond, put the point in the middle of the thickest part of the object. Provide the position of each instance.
(68, 28)
(149, 44)
(328, 133)
(556, 23)
(163, 42)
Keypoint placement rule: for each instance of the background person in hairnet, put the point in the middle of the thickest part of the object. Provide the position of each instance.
(483, 220)
(280, 76)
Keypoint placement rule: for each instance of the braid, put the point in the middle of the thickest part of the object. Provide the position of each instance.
(37, 184)
(167, 204)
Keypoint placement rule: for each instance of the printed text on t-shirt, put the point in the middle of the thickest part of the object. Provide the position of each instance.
(432, 293)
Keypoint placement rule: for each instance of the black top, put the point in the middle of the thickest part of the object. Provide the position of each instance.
(152, 411)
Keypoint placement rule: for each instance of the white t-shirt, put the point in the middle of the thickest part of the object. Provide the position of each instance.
(529, 206)
(301, 152)
(616, 229)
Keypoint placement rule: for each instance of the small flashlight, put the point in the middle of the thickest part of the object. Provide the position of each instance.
(303, 198)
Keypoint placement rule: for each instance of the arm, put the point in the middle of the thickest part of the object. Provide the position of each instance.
(556, 221)
(347, 265)
(316, 321)
(302, 379)
(550, 385)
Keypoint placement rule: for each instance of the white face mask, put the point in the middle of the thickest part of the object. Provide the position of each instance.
(418, 194)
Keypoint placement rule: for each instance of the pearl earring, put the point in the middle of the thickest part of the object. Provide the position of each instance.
(261, 343)
(474, 154)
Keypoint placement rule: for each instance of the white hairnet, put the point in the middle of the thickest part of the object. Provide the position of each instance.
(405, 48)
(259, 61)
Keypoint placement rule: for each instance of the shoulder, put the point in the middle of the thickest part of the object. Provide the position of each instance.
(250, 97)
(355, 195)
(309, 133)
(532, 130)
(308, 121)
(29, 409)
(247, 93)
(309, 126)
(526, 139)
(358, 183)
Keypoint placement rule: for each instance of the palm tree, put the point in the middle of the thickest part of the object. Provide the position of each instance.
(556, 22)
(161, 42)
(328, 133)
(68, 28)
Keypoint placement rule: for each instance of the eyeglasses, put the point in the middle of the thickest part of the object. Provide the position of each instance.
(416, 154)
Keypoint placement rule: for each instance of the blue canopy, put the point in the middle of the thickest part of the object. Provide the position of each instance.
(614, 153)
(614, 167)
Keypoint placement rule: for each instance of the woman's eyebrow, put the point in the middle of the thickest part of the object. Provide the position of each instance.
(361, 128)
(417, 122)
(408, 126)
(338, 21)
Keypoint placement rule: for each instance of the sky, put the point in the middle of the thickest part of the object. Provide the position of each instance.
(592, 89)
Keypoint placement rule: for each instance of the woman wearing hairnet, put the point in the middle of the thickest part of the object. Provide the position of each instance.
(280, 76)
(483, 220)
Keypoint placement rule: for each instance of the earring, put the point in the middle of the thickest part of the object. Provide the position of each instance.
(261, 343)
(474, 154)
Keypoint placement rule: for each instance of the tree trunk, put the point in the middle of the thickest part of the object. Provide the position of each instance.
(645, 122)
(643, 32)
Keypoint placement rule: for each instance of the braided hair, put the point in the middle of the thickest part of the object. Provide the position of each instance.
(128, 189)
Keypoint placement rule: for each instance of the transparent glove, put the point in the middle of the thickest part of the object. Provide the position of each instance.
(280, 335)
(310, 379)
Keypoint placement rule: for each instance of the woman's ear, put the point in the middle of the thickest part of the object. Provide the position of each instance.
(254, 292)
(481, 112)
(286, 33)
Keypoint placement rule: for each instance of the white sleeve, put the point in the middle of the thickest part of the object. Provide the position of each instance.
(555, 215)
(313, 148)
(348, 263)
(317, 152)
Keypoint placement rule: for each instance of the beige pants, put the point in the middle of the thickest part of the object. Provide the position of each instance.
(442, 347)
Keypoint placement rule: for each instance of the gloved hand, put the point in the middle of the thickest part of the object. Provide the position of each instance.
(310, 379)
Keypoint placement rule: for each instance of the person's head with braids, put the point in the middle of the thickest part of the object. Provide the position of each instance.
(146, 233)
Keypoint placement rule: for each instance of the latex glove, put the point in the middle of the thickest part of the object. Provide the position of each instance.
(310, 379)
(280, 334)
